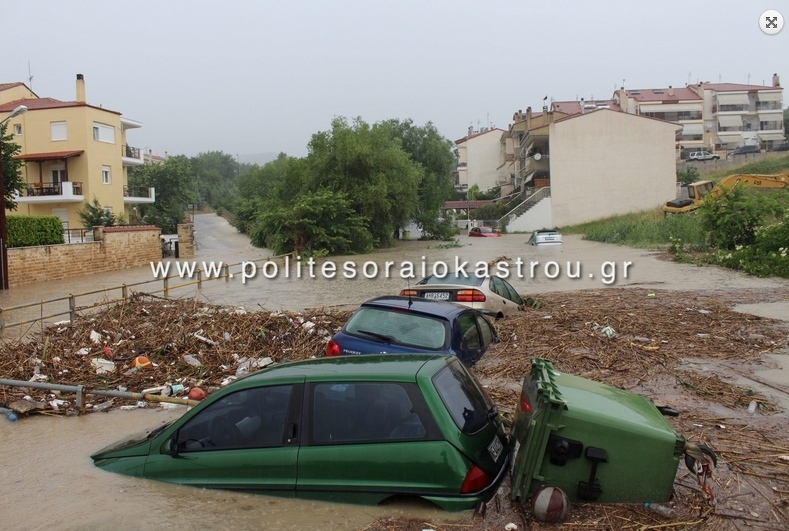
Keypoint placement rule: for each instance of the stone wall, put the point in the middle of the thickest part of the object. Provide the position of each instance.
(114, 248)
(186, 245)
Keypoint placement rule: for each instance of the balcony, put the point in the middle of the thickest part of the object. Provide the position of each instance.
(138, 195)
(131, 156)
(63, 192)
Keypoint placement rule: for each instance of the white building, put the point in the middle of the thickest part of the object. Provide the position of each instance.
(479, 158)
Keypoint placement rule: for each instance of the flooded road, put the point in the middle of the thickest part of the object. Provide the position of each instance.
(50, 482)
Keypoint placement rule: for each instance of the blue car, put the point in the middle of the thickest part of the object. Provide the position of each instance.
(405, 325)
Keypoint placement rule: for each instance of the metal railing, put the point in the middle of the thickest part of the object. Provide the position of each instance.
(529, 202)
(120, 293)
(138, 191)
(131, 152)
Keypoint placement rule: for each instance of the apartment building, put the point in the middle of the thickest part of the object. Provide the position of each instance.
(737, 115)
(478, 159)
(73, 152)
(714, 116)
(681, 105)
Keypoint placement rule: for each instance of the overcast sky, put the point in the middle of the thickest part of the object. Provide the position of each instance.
(257, 76)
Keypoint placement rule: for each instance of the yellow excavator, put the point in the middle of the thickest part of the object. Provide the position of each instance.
(699, 190)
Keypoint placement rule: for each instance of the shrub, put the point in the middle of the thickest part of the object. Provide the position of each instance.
(28, 231)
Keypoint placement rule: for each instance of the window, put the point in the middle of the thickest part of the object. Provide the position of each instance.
(253, 418)
(103, 133)
(355, 412)
(106, 175)
(17, 129)
(399, 327)
(58, 131)
(58, 176)
(468, 329)
(463, 398)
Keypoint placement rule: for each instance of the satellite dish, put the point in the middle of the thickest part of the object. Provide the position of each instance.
(537, 156)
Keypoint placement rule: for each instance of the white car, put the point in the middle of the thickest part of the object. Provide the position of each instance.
(492, 295)
(545, 237)
(702, 155)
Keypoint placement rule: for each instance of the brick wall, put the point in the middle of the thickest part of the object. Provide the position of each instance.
(186, 241)
(114, 248)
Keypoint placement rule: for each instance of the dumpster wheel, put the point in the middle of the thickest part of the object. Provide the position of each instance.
(690, 461)
(699, 465)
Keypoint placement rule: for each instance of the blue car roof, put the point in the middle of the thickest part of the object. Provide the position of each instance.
(416, 304)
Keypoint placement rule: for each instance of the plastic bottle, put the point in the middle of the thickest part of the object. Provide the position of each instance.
(8, 413)
(663, 510)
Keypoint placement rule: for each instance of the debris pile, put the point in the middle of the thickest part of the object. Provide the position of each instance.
(155, 344)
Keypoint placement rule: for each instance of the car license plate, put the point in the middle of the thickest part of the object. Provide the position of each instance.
(437, 295)
(495, 447)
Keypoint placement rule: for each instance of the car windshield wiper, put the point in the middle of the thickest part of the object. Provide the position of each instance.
(383, 337)
(158, 430)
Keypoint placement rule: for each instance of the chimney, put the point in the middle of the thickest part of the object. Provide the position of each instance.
(528, 117)
(583, 110)
(670, 90)
(470, 130)
(776, 80)
(80, 88)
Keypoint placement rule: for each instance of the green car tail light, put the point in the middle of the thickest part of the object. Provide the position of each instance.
(476, 479)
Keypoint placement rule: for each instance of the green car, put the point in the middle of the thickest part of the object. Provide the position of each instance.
(357, 429)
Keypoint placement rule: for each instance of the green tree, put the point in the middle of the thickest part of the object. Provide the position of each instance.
(732, 219)
(315, 225)
(215, 174)
(435, 154)
(175, 188)
(12, 168)
(688, 175)
(95, 215)
(369, 167)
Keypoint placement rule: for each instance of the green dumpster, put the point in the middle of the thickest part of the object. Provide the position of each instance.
(595, 442)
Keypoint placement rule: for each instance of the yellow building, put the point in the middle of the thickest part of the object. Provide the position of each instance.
(73, 152)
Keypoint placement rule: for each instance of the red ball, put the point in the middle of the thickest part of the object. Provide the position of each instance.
(550, 504)
(195, 393)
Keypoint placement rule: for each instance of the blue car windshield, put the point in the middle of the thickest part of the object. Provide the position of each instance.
(399, 327)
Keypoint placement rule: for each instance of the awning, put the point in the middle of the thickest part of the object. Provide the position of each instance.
(734, 120)
(53, 155)
(693, 129)
(671, 107)
(732, 99)
(775, 116)
(769, 96)
(770, 136)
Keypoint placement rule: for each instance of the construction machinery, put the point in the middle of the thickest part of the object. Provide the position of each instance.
(699, 190)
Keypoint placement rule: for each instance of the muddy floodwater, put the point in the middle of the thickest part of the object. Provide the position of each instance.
(49, 481)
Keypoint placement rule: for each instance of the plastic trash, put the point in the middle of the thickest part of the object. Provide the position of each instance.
(663, 510)
(10, 415)
(752, 407)
(191, 360)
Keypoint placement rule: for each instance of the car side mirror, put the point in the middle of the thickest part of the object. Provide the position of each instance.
(170, 447)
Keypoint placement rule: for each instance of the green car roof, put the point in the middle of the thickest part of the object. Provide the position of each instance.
(381, 367)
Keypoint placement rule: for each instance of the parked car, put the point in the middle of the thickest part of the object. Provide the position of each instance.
(405, 325)
(744, 150)
(703, 155)
(545, 237)
(781, 147)
(356, 430)
(491, 294)
(484, 232)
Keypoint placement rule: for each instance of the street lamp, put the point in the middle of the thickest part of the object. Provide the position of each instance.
(3, 233)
